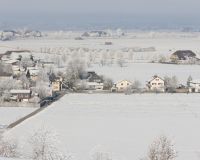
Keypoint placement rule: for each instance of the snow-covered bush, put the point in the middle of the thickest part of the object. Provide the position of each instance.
(162, 149)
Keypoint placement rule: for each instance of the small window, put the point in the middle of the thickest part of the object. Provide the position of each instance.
(127, 83)
(121, 84)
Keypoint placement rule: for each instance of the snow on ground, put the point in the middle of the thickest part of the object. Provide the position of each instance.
(163, 42)
(144, 71)
(9, 115)
(123, 125)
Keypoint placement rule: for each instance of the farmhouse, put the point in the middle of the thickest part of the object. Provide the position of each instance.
(194, 86)
(121, 86)
(156, 84)
(20, 95)
(182, 55)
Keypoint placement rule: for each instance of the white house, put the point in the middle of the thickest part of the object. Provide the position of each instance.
(94, 85)
(194, 86)
(121, 86)
(90, 85)
(156, 84)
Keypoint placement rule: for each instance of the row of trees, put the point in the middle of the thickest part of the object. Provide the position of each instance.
(43, 144)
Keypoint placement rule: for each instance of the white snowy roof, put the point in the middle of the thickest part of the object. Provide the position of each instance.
(15, 91)
(94, 84)
(33, 71)
(11, 61)
(195, 81)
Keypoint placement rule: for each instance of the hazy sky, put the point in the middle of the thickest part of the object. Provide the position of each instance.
(104, 12)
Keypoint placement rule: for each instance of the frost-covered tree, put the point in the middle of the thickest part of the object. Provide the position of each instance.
(189, 80)
(74, 70)
(44, 146)
(8, 148)
(171, 83)
(104, 59)
(162, 59)
(99, 153)
(7, 85)
(43, 89)
(43, 75)
(25, 82)
(26, 62)
(107, 83)
(136, 86)
(162, 149)
(64, 57)
(121, 62)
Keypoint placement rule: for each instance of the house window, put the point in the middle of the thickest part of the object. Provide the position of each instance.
(121, 84)
(127, 83)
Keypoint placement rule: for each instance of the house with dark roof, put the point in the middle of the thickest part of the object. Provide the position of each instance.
(91, 81)
(182, 55)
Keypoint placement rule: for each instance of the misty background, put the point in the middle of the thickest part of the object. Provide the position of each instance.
(87, 14)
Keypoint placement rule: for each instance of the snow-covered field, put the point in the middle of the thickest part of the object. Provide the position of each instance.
(9, 115)
(144, 71)
(164, 43)
(122, 125)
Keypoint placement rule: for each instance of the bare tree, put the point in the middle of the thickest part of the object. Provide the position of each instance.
(162, 149)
